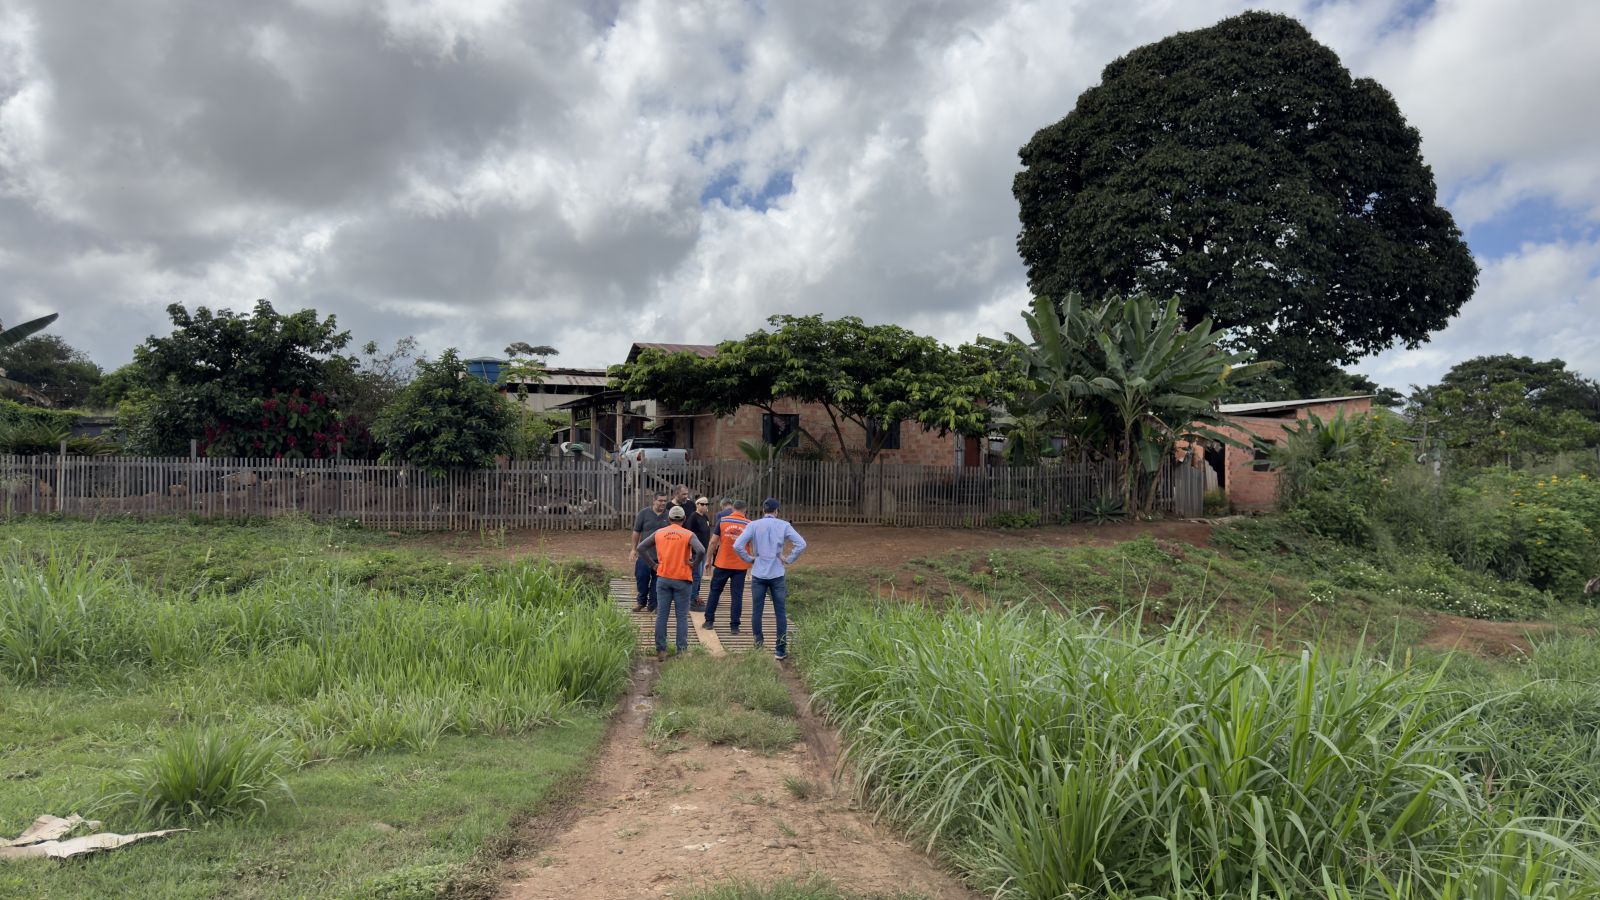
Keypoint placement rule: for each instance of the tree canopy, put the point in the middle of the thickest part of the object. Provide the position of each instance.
(52, 368)
(871, 376)
(212, 375)
(1241, 168)
(1504, 410)
(10, 338)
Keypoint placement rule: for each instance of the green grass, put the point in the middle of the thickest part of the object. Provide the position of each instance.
(737, 699)
(324, 737)
(182, 556)
(1044, 752)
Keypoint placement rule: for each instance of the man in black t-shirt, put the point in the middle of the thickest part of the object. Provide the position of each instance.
(646, 523)
(699, 522)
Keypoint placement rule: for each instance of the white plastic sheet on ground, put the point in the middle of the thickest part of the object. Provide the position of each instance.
(43, 839)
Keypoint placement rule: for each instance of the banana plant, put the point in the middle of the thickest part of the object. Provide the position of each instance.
(1127, 373)
(10, 337)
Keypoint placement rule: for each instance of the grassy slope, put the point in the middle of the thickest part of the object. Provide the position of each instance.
(392, 823)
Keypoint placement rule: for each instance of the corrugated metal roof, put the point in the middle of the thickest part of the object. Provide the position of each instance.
(705, 351)
(571, 378)
(576, 381)
(1268, 406)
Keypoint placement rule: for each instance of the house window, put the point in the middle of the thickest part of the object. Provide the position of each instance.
(1263, 456)
(891, 439)
(777, 426)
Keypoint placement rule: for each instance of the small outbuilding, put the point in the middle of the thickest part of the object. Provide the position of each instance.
(1244, 475)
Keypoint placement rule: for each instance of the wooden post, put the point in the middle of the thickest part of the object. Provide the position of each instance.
(61, 473)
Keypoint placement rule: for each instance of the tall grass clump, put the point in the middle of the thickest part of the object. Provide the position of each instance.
(56, 612)
(1056, 757)
(204, 774)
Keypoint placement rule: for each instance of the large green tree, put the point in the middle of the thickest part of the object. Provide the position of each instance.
(216, 371)
(1241, 168)
(868, 376)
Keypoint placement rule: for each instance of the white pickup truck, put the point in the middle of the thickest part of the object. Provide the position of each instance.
(643, 450)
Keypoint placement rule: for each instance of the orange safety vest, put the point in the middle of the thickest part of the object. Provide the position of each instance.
(673, 553)
(733, 525)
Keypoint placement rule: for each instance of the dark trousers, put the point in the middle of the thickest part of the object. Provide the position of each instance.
(720, 577)
(644, 578)
(759, 588)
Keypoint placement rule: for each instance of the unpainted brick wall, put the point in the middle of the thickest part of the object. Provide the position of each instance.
(1249, 489)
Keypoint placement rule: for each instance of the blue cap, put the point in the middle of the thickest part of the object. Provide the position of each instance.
(770, 504)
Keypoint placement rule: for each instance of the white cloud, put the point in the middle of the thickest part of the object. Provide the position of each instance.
(1540, 301)
(478, 171)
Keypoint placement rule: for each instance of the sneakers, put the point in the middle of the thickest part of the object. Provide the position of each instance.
(697, 606)
(782, 652)
(758, 645)
(640, 607)
(733, 629)
(661, 656)
(709, 625)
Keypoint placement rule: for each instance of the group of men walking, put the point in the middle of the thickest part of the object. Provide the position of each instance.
(673, 539)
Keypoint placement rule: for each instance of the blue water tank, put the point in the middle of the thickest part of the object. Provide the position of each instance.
(485, 367)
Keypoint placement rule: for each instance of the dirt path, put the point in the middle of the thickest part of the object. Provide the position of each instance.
(832, 546)
(655, 824)
(1481, 637)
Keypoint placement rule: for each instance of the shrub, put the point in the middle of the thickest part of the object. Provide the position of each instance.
(1028, 518)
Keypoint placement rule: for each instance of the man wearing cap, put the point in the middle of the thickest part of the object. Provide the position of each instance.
(673, 551)
(761, 545)
(727, 566)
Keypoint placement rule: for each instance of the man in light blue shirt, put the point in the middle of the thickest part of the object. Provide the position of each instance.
(761, 544)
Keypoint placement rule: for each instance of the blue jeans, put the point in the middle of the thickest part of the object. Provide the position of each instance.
(673, 594)
(758, 597)
(720, 577)
(699, 569)
(644, 578)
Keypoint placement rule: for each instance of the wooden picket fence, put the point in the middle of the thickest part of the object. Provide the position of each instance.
(561, 495)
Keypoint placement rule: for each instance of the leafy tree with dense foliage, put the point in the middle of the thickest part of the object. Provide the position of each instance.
(52, 368)
(216, 370)
(869, 376)
(1505, 410)
(1241, 168)
(1128, 375)
(446, 420)
(1335, 382)
(10, 338)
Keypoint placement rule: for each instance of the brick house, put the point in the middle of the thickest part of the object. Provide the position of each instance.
(1243, 473)
(709, 437)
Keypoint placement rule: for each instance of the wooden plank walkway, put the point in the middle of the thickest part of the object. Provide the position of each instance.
(715, 643)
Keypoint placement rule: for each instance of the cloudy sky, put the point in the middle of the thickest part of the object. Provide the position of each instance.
(473, 172)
